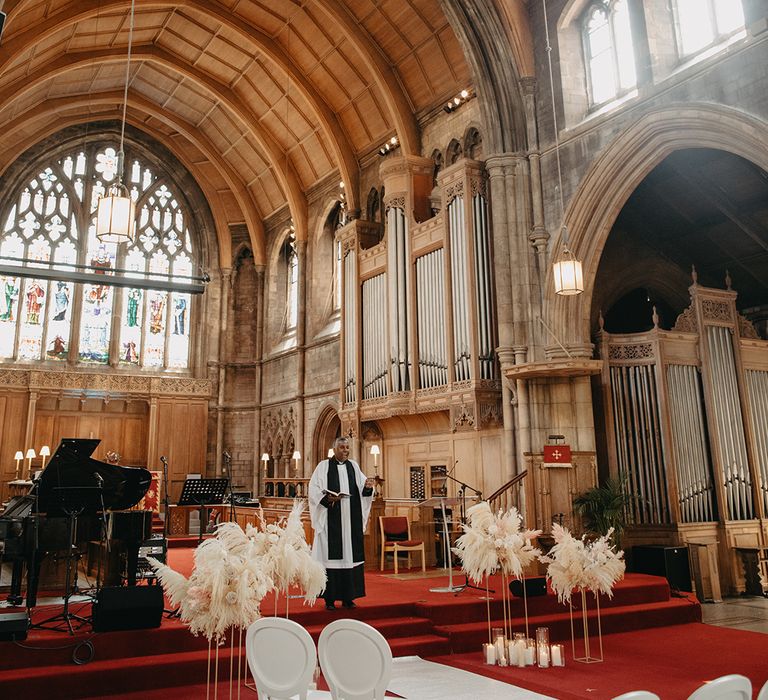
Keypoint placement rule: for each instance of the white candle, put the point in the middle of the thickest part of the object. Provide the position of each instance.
(543, 656)
(501, 647)
(530, 652)
(519, 652)
(503, 661)
(490, 653)
(558, 657)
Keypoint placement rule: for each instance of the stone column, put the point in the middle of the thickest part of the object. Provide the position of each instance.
(257, 484)
(301, 328)
(226, 283)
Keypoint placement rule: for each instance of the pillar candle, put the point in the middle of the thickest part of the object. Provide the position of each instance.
(530, 652)
(543, 656)
(558, 655)
(489, 652)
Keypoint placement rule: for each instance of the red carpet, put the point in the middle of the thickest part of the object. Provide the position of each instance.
(671, 658)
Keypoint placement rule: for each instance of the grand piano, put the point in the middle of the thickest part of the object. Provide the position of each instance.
(78, 499)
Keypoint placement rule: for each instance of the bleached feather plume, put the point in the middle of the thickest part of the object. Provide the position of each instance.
(605, 566)
(476, 547)
(175, 585)
(567, 562)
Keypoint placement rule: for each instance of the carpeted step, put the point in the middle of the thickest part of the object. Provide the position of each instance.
(639, 588)
(392, 628)
(470, 636)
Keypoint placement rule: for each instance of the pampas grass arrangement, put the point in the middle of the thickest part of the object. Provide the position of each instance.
(577, 564)
(496, 541)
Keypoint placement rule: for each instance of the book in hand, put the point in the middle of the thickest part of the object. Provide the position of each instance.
(338, 494)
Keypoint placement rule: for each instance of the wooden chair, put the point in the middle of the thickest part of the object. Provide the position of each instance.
(396, 538)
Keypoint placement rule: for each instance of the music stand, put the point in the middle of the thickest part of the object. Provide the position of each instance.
(202, 492)
(462, 497)
(73, 500)
(442, 502)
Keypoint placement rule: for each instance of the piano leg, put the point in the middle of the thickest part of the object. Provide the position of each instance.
(15, 597)
(33, 579)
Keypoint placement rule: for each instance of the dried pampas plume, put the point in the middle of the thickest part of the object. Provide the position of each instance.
(576, 564)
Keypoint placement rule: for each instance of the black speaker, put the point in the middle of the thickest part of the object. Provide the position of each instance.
(128, 608)
(670, 562)
(533, 587)
(14, 626)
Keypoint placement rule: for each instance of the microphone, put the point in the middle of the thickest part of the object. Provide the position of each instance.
(453, 467)
(164, 461)
(99, 478)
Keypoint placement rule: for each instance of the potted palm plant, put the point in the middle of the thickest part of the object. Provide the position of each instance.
(604, 507)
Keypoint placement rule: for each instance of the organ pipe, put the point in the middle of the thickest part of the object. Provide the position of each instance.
(350, 326)
(729, 424)
(398, 252)
(757, 389)
(373, 337)
(482, 240)
(459, 290)
(430, 296)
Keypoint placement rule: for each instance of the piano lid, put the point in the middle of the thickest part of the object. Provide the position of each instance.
(73, 480)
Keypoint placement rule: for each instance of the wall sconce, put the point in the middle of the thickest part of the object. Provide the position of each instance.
(375, 451)
(18, 457)
(30, 456)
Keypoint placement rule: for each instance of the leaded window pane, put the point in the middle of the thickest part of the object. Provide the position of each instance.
(44, 221)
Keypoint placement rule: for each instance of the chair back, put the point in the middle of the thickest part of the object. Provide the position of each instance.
(763, 694)
(732, 687)
(281, 656)
(638, 695)
(395, 527)
(356, 660)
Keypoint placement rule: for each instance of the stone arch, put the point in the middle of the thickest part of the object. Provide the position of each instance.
(617, 172)
(453, 152)
(473, 143)
(327, 429)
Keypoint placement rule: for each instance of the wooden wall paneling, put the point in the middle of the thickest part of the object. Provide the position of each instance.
(65, 426)
(134, 441)
(44, 432)
(13, 416)
(164, 447)
(110, 432)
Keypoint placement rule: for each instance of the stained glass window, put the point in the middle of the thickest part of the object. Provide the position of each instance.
(51, 216)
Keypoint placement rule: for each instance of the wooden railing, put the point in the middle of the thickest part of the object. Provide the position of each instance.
(503, 498)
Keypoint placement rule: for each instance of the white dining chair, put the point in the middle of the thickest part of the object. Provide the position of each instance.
(763, 694)
(638, 695)
(732, 687)
(355, 659)
(281, 657)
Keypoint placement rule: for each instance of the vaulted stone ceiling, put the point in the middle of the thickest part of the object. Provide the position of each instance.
(261, 100)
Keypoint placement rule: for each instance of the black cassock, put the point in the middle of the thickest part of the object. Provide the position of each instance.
(344, 584)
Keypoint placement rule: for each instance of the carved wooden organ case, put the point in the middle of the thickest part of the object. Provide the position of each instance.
(687, 424)
(418, 321)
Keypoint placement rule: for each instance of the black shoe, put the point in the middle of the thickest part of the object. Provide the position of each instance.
(349, 604)
(330, 606)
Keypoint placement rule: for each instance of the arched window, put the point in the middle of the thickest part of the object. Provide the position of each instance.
(702, 23)
(609, 50)
(50, 216)
(291, 258)
(454, 152)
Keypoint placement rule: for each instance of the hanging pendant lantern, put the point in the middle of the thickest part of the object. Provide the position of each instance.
(116, 216)
(569, 277)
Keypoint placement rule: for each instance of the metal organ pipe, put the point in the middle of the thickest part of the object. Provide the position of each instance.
(459, 261)
(374, 333)
(730, 424)
(350, 326)
(757, 386)
(484, 291)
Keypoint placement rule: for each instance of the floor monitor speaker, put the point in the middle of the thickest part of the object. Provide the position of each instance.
(128, 608)
(670, 562)
(533, 587)
(14, 626)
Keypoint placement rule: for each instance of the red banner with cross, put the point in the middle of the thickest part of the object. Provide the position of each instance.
(557, 455)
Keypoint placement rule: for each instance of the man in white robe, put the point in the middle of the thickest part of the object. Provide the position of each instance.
(339, 522)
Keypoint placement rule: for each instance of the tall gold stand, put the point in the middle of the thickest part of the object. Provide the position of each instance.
(587, 658)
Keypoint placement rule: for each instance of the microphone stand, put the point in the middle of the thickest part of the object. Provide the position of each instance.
(228, 470)
(166, 526)
(461, 494)
(104, 558)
